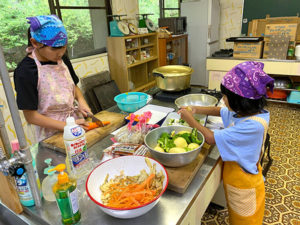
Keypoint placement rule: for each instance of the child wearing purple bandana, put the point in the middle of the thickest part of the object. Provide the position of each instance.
(45, 81)
(240, 143)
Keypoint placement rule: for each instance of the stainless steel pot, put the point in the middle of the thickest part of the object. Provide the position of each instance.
(173, 77)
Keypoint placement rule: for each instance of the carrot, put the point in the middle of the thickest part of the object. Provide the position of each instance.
(124, 195)
(93, 125)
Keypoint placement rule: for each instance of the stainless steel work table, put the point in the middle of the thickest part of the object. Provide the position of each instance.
(173, 208)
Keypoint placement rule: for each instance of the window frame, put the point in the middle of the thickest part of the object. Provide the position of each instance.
(55, 8)
(163, 10)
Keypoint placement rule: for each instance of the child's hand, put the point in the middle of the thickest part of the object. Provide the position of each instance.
(189, 108)
(84, 109)
(83, 123)
(187, 115)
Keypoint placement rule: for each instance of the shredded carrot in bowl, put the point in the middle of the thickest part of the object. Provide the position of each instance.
(131, 191)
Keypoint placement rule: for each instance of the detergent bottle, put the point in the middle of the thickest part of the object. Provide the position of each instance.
(49, 182)
(77, 160)
(66, 194)
(22, 184)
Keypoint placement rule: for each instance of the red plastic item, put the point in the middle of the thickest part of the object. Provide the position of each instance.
(277, 94)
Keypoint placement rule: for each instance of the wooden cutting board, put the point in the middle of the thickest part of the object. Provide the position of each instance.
(181, 177)
(56, 141)
(8, 193)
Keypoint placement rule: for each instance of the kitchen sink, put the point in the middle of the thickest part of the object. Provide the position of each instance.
(8, 217)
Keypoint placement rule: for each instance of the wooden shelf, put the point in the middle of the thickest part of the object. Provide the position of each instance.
(286, 89)
(137, 73)
(141, 62)
(179, 46)
(132, 49)
(147, 45)
(281, 101)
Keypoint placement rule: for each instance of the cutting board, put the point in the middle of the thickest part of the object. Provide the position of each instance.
(181, 177)
(8, 193)
(56, 141)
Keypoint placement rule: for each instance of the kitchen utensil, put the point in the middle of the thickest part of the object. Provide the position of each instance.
(56, 142)
(95, 120)
(131, 166)
(131, 101)
(173, 77)
(172, 159)
(196, 99)
(282, 83)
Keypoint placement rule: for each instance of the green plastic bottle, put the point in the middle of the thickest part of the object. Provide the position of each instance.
(66, 195)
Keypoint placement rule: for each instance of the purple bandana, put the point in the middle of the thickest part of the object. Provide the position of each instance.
(48, 30)
(248, 80)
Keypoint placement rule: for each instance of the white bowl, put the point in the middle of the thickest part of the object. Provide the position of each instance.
(131, 165)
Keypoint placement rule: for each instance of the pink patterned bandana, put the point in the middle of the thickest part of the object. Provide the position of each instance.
(248, 80)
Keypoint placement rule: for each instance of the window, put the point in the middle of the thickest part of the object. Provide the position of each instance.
(86, 24)
(170, 8)
(160, 8)
(150, 6)
(85, 21)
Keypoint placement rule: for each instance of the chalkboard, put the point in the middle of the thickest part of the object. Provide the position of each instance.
(258, 9)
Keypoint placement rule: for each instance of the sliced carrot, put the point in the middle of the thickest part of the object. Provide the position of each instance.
(124, 195)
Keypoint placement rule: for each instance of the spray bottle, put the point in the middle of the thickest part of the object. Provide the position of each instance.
(22, 184)
(66, 195)
(49, 182)
(77, 160)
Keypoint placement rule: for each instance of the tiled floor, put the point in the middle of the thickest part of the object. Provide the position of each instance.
(283, 179)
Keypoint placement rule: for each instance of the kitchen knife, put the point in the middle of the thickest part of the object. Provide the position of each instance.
(95, 120)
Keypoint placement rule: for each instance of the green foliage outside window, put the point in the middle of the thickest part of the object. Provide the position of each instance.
(13, 23)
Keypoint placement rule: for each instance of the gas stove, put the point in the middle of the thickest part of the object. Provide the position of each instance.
(172, 96)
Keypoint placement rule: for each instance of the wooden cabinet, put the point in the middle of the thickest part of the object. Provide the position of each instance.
(131, 61)
(173, 50)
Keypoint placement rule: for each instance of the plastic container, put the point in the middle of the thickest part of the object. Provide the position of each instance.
(77, 160)
(131, 101)
(49, 182)
(66, 195)
(22, 185)
(277, 94)
(294, 97)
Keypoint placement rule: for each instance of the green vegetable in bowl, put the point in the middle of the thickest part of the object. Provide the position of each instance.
(183, 141)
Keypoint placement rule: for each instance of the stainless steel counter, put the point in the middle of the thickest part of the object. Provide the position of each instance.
(171, 209)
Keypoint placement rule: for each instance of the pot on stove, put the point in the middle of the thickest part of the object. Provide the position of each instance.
(173, 77)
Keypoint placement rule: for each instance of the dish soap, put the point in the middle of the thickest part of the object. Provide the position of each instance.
(48, 182)
(77, 160)
(66, 195)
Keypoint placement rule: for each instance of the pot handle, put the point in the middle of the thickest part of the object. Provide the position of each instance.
(158, 75)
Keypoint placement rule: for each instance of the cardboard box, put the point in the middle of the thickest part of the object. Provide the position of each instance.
(277, 48)
(256, 28)
(248, 50)
(289, 30)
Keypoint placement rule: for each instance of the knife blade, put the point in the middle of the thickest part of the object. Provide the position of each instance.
(95, 120)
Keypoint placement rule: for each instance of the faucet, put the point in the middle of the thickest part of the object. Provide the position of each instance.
(24, 157)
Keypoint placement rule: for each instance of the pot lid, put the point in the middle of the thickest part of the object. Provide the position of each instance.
(174, 70)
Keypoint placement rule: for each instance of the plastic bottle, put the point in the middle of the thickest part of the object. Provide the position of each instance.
(66, 195)
(49, 182)
(22, 184)
(77, 161)
(291, 51)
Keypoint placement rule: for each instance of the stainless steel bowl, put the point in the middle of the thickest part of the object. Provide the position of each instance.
(171, 159)
(196, 99)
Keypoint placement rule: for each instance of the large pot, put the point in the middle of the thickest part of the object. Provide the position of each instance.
(173, 77)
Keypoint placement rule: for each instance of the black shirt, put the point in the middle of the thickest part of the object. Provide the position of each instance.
(26, 80)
